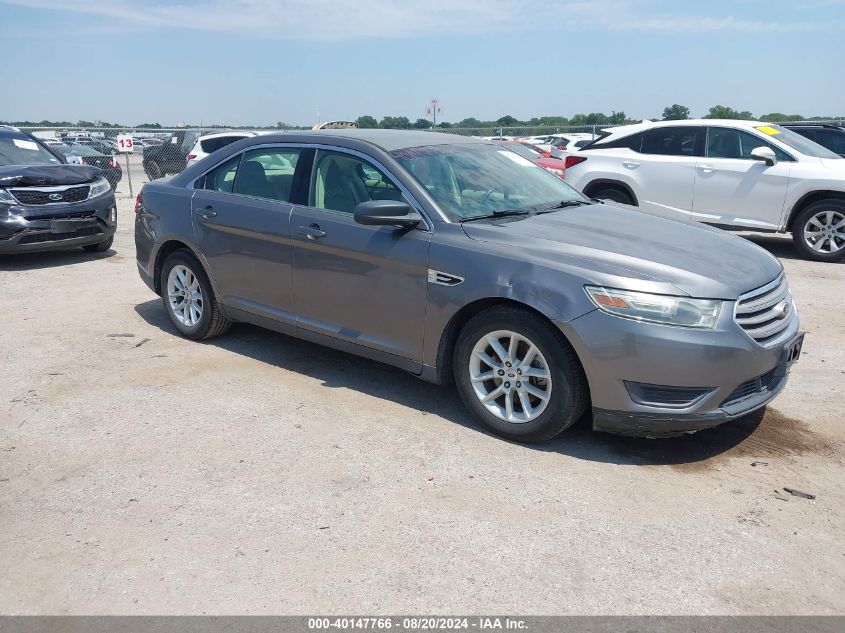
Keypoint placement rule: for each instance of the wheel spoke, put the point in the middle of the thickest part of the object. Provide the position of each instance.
(497, 347)
(498, 391)
(537, 393)
(526, 404)
(488, 375)
(815, 222)
(535, 372)
(840, 224)
(817, 246)
(487, 360)
(529, 357)
(512, 345)
(509, 405)
(828, 217)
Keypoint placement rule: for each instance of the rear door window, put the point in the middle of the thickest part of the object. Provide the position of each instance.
(669, 141)
(833, 140)
(267, 173)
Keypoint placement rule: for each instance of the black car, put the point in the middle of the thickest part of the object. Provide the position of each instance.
(46, 203)
(830, 136)
(85, 155)
(170, 157)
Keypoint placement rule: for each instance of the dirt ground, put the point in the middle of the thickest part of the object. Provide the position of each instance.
(141, 473)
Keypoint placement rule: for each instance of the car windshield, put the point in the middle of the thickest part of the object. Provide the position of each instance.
(20, 150)
(477, 179)
(796, 141)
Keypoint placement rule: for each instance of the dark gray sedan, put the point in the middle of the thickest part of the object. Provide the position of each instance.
(457, 259)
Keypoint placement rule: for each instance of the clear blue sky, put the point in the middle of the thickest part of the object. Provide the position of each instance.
(262, 61)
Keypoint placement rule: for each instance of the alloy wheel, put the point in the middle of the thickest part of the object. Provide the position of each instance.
(825, 232)
(510, 376)
(184, 295)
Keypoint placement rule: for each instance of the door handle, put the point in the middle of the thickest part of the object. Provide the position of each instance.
(707, 169)
(207, 212)
(312, 231)
(630, 164)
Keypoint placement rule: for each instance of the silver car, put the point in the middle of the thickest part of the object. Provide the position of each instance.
(459, 260)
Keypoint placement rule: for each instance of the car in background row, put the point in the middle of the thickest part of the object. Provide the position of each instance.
(553, 165)
(171, 157)
(458, 260)
(47, 204)
(830, 136)
(740, 175)
(76, 153)
(209, 143)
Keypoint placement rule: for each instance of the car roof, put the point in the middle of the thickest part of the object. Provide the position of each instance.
(388, 140)
(649, 125)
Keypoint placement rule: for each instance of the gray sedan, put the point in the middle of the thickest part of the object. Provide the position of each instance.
(459, 260)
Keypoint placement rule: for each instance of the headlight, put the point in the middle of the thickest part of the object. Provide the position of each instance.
(668, 310)
(6, 197)
(99, 187)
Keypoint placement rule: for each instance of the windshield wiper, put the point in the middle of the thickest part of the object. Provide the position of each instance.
(499, 213)
(565, 204)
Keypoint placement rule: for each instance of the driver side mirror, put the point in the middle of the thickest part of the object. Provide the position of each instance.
(765, 154)
(387, 213)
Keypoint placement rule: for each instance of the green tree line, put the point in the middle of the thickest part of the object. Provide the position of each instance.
(674, 112)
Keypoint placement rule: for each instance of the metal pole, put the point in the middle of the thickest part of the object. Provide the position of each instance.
(129, 175)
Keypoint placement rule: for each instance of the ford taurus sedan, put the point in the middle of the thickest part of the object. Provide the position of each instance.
(459, 260)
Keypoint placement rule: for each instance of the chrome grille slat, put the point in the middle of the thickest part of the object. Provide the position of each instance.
(766, 300)
(767, 313)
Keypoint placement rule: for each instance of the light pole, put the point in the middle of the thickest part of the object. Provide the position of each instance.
(433, 109)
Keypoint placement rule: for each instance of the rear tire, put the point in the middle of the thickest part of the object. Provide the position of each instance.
(819, 231)
(547, 390)
(614, 194)
(153, 170)
(189, 298)
(100, 247)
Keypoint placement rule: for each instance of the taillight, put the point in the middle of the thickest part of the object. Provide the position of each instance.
(82, 161)
(191, 157)
(571, 161)
(113, 163)
(139, 203)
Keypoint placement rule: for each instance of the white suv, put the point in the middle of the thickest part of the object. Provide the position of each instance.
(743, 175)
(210, 143)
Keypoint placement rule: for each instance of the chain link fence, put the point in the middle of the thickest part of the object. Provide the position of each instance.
(159, 152)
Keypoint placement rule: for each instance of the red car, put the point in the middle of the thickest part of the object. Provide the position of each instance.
(554, 165)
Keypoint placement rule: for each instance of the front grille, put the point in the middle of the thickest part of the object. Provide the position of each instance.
(765, 313)
(34, 196)
(37, 238)
(59, 216)
(766, 382)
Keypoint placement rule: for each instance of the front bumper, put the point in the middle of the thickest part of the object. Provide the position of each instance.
(729, 373)
(25, 229)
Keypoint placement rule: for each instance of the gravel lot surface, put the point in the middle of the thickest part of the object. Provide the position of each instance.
(141, 473)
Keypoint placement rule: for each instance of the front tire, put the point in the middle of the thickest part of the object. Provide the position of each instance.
(518, 375)
(189, 299)
(819, 231)
(99, 247)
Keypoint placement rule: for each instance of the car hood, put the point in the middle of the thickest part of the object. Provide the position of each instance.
(45, 175)
(609, 244)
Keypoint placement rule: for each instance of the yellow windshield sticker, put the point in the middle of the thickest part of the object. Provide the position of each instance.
(768, 129)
